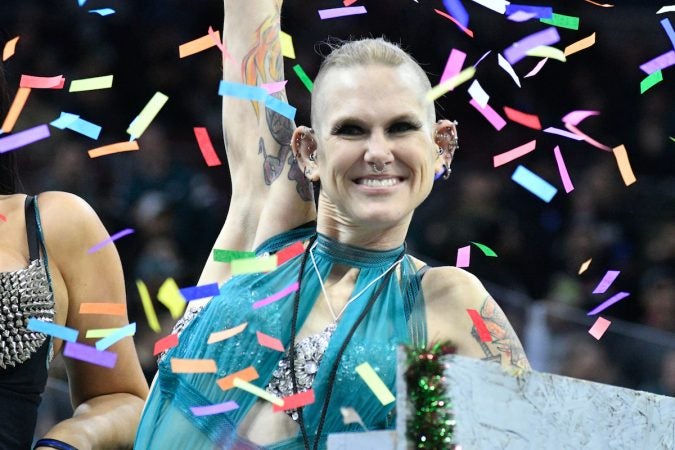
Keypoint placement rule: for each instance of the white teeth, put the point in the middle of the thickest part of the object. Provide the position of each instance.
(378, 182)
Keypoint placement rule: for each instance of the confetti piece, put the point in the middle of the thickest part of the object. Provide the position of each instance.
(197, 292)
(227, 256)
(576, 117)
(495, 5)
(290, 252)
(79, 125)
(270, 342)
(52, 329)
(253, 265)
(540, 12)
(666, 9)
(504, 64)
(341, 12)
(660, 62)
(9, 49)
(455, 21)
(528, 120)
(170, 296)
(624, 165)
(564, 133)
(217, 408)
(113, 309)
(545, 51)
(490, 114)
(198, 45)
(118, 147)
(295, 401)
(606, 281)
(562, 21)
(147, 306)
(481, 328)
(243, 91)
(274, 297)
(118, 335)
(579, 45)
(30, 81)
(15, 109)
(247, 374)
(349, 415)
(450, 84)
(599, 328)
(503, 158)
(206, 147)
(604, 5)
(454, 64)
(518, 50)
(562, 169)
(91, 84)
(650, 81)
(3, 218)
(482, 58)
(668, 28)
(477, 93)
(215, 36)
(147, 114)
(584, 266)
(586, 137)
(276, 86)
(98, 333)
(280, 107)
(64, 120)
(375, 383)
(348, 2)
(286, 41)
(218, 336)
(303, 77)
(102, 11)
(258, 392)
(521, 16)
(487, 251)
(89, 354)
(81, 2)
(457, 10)
(25, 137)
(179, 365)
(534, 183)
(607, 303)
(535, 70)
(463, 256)
(165, 343)
(114, 237)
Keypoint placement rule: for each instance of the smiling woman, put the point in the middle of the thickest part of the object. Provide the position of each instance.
(356, 295)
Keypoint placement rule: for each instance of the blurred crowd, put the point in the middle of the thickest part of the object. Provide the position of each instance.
(176, 204)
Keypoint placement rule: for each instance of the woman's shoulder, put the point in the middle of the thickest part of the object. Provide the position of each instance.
(452, 287)
(67, 218)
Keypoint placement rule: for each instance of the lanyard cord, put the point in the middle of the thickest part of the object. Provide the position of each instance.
(343, 347)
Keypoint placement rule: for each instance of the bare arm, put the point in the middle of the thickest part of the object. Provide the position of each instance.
(449, 292)
(269, 193)
(107, 402)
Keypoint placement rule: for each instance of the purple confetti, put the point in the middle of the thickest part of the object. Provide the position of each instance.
(214, 409)
(518, 50)
(606, 281)
(112, 238)
(607, 303)
(341, 12)
(658, 63)
(89, 354)
(25, 137)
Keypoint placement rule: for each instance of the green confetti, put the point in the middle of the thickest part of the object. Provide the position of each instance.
(303, 77)
(227, 256)
(486, 250)
(562, 21)
(651, 80)
(672, 138)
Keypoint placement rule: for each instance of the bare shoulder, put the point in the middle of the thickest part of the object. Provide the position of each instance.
(68, 217)
(450, 287)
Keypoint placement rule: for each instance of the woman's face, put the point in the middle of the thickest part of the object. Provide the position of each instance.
(374, 116)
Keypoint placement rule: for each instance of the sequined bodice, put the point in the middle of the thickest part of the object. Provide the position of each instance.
(24, 294)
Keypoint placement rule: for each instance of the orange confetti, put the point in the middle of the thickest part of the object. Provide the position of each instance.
(348, 2)
(248, 374)
(624, 165)
(528, 120)
(125, 146)
(462, 27)
(113, 309)
(269, 341)
(179, 365)
(198, 45)
(603, 5)
(579, 45)
(10, 47)
(15, 109)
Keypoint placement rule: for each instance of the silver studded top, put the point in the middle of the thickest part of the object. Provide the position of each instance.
(24, 294)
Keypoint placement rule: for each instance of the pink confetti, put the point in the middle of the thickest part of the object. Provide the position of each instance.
(606, 281)
(30, 81)
(564, 175)
(607, 303)
(216, 39)
(295, 401)
(454, 64)
(536, 68)
(274, 297)
(490, 114)
(270, 342)
(576, 117)
(587, 138)
(341, 12)
(503, 158)
(276, 86)
(3, 218)
(463, 256)
(599, 328)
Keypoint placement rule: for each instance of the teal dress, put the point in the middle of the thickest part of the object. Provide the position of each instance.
(396, 317)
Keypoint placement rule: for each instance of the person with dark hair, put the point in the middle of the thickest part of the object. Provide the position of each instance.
(350, 294)
(46, 274)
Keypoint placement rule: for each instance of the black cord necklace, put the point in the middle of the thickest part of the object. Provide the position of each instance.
(343, 347)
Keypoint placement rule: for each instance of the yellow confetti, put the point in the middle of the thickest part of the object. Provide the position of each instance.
(10, 48)
(258, 392)
(546, 51)
(375, 383)
(287, 49)
(580, 45)
(147, 114)
(584, 266)
(169, 295)
(253, 265)
(95, 333)
(624, 165)
(149, 310)
(450, 84)
(90, 84)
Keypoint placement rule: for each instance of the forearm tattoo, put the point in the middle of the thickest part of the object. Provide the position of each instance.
(505, 346)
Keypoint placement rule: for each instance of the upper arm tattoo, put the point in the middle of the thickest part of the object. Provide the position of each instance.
(505, 345)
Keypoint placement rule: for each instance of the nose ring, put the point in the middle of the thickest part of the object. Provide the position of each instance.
(376, 169)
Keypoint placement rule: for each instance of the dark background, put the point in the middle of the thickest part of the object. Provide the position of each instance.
(177, 204)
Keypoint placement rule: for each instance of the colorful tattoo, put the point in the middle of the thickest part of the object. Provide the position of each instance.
(504, 339)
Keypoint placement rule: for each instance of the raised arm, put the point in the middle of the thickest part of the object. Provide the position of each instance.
(269, 193)
(107, 402)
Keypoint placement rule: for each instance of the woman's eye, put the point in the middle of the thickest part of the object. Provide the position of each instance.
(349, 130)
(402, 127)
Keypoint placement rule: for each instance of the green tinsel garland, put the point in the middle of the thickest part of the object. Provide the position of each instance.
(431, 423)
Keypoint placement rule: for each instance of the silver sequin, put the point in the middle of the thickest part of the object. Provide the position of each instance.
(25, 294)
